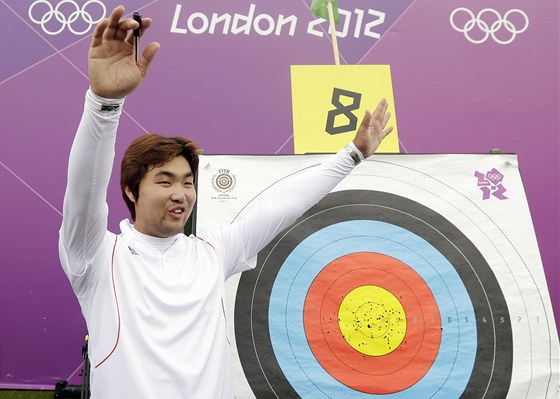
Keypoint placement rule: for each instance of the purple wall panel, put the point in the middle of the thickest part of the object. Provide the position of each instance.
(231, 93)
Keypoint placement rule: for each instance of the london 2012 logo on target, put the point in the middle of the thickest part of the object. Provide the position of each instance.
(66, 14)
(491, 184)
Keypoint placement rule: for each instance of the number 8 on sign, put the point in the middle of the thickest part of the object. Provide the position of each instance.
(342, 110)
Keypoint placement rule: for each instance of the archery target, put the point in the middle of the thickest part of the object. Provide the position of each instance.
(400, 283)
(402, 250)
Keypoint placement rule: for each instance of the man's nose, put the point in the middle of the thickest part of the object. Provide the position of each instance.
(178, 194)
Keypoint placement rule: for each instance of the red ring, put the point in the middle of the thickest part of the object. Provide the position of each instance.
(385, 374)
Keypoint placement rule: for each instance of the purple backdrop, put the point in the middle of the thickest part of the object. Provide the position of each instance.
(231, 93)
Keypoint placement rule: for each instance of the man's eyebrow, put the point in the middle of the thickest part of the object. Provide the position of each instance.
(166, 173)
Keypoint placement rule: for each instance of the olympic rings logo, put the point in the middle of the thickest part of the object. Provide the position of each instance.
(489, 28)
(495, 178)
(51, 28)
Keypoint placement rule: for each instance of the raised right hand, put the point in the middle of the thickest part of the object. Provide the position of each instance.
(111, 67)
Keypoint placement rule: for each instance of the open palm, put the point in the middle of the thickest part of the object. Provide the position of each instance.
(113, 73)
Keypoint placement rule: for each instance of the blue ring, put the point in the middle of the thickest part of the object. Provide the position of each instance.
(459, 340)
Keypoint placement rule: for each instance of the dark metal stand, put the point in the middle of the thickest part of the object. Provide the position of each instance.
(63, 390)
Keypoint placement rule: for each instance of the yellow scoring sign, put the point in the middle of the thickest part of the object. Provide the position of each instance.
(329, 101)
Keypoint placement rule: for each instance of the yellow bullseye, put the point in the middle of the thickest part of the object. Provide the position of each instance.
(372, 320)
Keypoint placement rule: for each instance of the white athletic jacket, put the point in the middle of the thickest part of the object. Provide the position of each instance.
(156, 318)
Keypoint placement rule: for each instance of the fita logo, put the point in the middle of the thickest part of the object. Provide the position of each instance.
(79, 20)
(490, 183)
(224, 181)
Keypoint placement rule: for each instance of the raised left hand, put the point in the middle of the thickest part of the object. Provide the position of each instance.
(373, 129)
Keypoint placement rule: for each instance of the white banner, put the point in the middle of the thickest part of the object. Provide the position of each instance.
(418, 276)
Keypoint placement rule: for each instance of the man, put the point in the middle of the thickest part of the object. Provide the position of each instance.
(153, 298)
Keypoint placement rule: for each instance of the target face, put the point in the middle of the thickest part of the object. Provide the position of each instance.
(373, 294)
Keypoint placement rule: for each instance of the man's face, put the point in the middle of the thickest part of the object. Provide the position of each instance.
(165, 200)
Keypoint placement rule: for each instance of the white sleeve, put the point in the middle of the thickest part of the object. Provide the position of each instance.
(84, 222)
(290, 200)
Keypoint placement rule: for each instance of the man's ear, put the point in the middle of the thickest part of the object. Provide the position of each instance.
(130, 195)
